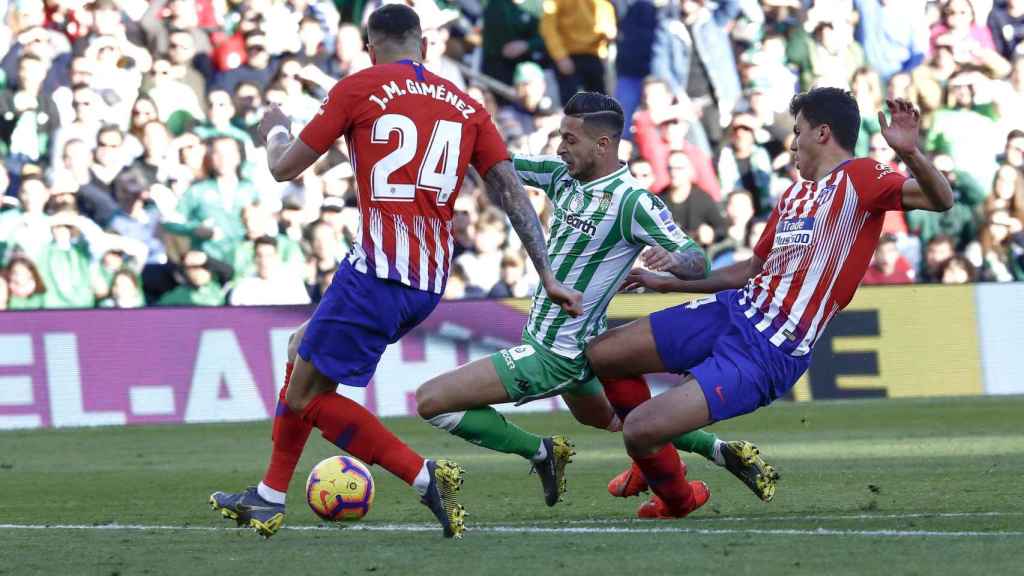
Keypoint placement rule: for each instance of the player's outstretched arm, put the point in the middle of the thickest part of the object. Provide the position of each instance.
(505, 190)
(928, 189)
(286, 156)
(730, 277)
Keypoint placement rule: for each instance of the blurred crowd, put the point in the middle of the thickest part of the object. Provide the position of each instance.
(132, 173)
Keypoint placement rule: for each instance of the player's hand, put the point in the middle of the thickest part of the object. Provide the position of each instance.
(570, 300)
(657, 258)
(514, 49)
(903, 131)
(565, 66)
(272, 117)
(639, 278)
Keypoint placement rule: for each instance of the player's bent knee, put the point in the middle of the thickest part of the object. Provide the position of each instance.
(428, 402)
(638, 435)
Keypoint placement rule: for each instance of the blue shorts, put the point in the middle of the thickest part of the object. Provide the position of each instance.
(738, 369)
(357, 318)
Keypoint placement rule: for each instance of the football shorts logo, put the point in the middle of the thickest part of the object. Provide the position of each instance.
(521, 351)
(794, 232)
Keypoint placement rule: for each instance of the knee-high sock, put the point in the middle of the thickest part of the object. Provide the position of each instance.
(625, 394)
(357, 431)
(488, 428)
(697, 442)
(666, 475)
(289, 436)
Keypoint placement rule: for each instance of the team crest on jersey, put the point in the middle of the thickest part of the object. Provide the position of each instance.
(826, 193)
(577, 201)
(794, 232)
(883, 170)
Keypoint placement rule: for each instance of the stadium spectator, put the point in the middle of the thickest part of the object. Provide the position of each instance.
(510, 37)
(894, 35)
(513, 282)
(692, 208)
(958, 270)
(272, 283)
(124, 291)
(998, 250)
(962, 131)
(744, 164)
(199, 287)
(638, 25)
(259, 224)
(739, 212)
(210, 211)
(481, 264)
(695, 56)
(576, 34)
(1007, 192)
(25, 284)
(459, 288)
(888, 266)
(937, 252)
(4, 292)
(958, 222)
(1013, 153)
(1006, 23)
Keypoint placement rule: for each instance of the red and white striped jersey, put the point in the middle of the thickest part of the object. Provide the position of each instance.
(411, 136)
(816, 248)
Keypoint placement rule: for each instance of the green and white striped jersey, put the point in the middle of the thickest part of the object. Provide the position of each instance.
(597, 231)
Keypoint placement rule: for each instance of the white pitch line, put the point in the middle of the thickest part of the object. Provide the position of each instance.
(838, 517)
(541, 530)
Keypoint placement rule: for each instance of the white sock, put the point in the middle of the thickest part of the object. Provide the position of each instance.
(422, 481)
(541, 454)
(270, 495)
(719, 459)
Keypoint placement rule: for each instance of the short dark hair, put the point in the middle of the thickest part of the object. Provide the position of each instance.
(395, 22)
(264, 241)
(832, 106)
(597, 111)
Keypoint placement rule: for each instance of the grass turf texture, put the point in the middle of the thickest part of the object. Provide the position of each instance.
(867, 486)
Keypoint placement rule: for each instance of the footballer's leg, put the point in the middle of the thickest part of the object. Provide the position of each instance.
(266, 501)
(648, 431)
(460, 403)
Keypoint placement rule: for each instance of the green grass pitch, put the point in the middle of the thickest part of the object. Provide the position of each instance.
(868, 487)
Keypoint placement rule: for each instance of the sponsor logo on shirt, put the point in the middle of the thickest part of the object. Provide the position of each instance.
(794, 232)
(577, 222)
(883, 170)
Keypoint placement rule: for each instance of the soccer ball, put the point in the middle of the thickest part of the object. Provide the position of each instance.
(340, 489)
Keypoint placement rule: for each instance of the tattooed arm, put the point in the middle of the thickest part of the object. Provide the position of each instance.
(505, 190)
(687, 263)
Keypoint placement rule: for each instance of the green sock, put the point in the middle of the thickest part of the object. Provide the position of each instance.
(488, 428)
(697, 442)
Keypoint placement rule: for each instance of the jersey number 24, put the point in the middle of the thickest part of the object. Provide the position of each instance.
(443, 150)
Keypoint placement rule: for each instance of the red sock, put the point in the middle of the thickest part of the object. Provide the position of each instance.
(624, 394)
(666, 476)
(355, 430)
(289, 435)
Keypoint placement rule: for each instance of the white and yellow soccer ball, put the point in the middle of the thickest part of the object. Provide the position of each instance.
(340, 489)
